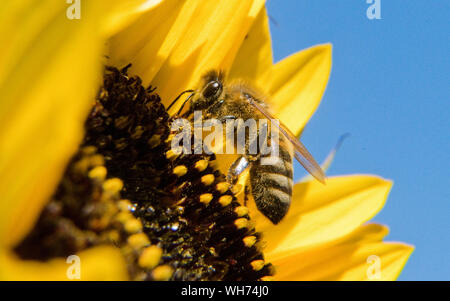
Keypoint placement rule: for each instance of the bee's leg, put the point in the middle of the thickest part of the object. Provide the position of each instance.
(224, 119)
(246, 192)
(241, 163)
(188, 113)
(236, 169)
(250, 159)
(227, 117)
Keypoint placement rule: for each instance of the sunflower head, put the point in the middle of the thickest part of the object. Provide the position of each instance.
(182, 220)
(94, 175)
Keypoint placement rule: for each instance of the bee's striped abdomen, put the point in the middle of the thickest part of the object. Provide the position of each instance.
(271, 182)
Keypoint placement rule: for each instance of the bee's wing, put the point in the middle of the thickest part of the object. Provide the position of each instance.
(301, 153)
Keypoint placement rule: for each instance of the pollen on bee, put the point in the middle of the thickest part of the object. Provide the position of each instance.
(225, 200)
(150, 257)
(257, 265)
(241, 223)
(113, 185)
(138, 240)
(208, 179)
(180, 170)
(206, 198)
(222, 187)
(98, 173)
(162, 273)
(201, 165)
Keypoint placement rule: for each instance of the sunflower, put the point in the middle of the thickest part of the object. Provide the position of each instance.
(50, 74)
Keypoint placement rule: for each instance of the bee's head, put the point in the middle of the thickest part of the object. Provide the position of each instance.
(210, 91)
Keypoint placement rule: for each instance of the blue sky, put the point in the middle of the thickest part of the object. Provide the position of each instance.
(390, 89)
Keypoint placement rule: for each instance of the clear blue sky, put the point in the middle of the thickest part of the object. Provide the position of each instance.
(390, 89)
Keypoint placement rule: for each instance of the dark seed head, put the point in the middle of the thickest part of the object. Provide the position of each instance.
(173, 217)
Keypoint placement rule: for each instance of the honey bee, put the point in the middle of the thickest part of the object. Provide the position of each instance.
(270, 183)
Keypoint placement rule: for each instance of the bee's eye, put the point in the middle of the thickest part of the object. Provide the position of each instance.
(212, 89)
(248, 96)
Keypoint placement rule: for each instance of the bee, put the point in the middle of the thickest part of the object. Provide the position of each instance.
(270, 183)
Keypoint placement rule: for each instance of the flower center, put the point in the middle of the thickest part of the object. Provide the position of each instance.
(173, 216)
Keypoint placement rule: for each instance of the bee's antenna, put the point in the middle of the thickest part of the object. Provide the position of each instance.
(178, 97)
(187, 99)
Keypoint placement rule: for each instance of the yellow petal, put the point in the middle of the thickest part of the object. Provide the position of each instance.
(149, 40)
(297, 84)
(210, 41)
(361, 255)
(254, 57)
(367, 233)
(391, 258)
(321, 213)
(49, 73)
(172, 45)
(100, 263)
(121, 13)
